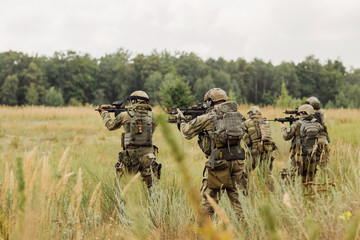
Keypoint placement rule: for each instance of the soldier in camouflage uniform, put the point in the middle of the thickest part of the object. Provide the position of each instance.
(324, 140)
(138, 152)
(223, 170)
(303, 161)
(258, 139)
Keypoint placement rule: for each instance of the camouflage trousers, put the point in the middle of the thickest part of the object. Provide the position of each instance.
(323, 152)
(143, 160)
(301, 165)
(264, 161)
(230, 179)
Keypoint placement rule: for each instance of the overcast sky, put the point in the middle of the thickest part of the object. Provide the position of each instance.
(275, 30)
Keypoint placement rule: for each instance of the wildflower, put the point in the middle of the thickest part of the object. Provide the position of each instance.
(346, 216)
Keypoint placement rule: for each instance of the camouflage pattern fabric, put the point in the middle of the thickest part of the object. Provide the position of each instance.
(261, 151)
(134, 158)
(300, 164)
(234, 176)
(323, 150)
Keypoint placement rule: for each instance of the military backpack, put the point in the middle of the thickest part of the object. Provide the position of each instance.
(309, 134)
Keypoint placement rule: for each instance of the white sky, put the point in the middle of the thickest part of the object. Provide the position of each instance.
(275, 30)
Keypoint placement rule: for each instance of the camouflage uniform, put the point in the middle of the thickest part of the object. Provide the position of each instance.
(302, 164)
(134, 158)
(231, 176)
(323, 148)
(260, 150)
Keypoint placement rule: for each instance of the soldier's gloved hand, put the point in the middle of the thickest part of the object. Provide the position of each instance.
(282, 125)
(179, 116)
(101, 110)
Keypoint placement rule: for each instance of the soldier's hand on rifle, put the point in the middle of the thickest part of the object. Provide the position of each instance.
(101, 110)
(282, 125)
(179, 116)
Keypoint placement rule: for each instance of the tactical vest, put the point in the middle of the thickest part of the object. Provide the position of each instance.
(259, 130)
(309, 134)
(140, 128)
(226, 132)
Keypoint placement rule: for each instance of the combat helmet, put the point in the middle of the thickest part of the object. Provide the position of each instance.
(215, 95)
(313, 101)
(254, 110)
(306, 108)
(139, 95)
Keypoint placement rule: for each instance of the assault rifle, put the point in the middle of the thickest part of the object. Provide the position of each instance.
(189, 113)
(116, 107)
(290, 119)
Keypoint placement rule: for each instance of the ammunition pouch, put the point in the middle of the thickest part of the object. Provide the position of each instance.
(219, 176)
(230, 153)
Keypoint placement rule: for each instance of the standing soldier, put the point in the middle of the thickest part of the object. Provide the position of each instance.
(324, 140)
(304, 134)
(219, 131)
(138, 152)
(258, 138)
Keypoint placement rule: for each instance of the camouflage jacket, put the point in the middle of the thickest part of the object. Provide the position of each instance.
(323, 136)
(200, 126)
(293, 132)
(123, 119)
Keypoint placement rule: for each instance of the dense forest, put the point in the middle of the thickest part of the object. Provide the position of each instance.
(71, 78)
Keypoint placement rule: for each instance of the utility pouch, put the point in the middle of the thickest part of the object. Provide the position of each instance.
(229, 153)
(138, 126)
(123, 158)
(133, 158)
(219, 177)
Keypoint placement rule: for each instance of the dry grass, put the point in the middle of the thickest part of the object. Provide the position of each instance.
(57, 182)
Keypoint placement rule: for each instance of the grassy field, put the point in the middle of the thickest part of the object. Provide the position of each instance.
(57, 182)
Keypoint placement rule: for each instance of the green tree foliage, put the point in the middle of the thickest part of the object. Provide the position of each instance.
(32, 96)
(84, 79)
(175, 92)
(8, 90)
(54, 97)
(285, 100)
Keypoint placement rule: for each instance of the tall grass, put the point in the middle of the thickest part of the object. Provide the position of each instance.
(59, 183)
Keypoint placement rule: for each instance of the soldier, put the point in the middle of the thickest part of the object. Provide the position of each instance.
(324, 140)
(138, 152)
(258, 139)
(219, 131)
(304, 134)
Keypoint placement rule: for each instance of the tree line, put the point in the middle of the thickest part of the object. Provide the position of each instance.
(181, 79)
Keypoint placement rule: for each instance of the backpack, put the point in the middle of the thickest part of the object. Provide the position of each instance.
(140, 128)
(309, 134)
(261, 131)
(227, 124)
